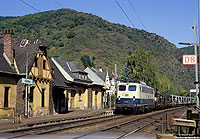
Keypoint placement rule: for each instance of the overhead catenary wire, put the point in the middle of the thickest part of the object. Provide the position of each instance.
(137, 14)
(59, 3)
(30, 6)
(125, 14)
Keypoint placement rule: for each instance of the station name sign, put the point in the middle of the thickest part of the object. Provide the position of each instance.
(27, 81)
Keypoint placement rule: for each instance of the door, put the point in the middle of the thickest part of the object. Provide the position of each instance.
(72, 98)
(96, 93)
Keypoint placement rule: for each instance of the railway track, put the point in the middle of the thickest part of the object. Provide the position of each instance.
(148, 120)
(55, 128)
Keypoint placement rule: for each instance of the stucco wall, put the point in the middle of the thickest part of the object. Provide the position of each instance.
(10, 82)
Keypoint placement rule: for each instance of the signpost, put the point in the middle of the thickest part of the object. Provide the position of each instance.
(27, 81)
(192, 60)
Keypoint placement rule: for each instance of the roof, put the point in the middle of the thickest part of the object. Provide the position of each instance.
(59, 79)
(102, 74)
(94, 77)
(23, 48)
(23, 51)
(69, 70)
(4, 66)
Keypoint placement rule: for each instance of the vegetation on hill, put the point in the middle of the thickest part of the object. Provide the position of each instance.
(71, 35)
(142, 68)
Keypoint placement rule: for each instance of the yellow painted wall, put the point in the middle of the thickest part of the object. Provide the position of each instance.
(99, 100)
(79, 102)
(41, 82)
(82, 102)
(11, 83)
(85, 98)
(37, 108)
(98, 104)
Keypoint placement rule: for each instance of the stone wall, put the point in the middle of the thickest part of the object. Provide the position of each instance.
(20, 101)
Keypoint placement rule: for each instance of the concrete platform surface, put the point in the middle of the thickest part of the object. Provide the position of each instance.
(9, 123)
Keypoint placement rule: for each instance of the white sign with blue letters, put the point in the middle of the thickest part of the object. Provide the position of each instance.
(27, 81)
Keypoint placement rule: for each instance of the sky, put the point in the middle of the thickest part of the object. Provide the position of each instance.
(171, 19)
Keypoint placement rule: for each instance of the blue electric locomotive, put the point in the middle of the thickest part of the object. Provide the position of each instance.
(134, 96)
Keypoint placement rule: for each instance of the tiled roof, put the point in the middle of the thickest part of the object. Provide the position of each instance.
(21, 48)
(4, 66)
(59, 79)
(94, 77)
(70, 68)
(22, 52)
(102, 74)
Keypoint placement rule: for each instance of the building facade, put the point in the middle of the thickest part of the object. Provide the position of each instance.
(21, 57)
(80, 91)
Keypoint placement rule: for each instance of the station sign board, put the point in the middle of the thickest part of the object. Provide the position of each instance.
(189, 59)
(27, 81)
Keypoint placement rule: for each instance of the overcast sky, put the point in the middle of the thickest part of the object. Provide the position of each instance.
(172, 19)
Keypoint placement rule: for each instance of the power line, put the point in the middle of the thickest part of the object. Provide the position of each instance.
(125, 14)
(30, 5)
(137, 14)
(59, 4)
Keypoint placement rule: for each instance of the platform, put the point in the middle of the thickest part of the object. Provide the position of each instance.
(75, 114)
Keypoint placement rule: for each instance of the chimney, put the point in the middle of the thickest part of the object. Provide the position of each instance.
(8, 45)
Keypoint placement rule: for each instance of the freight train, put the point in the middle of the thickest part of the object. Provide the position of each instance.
(137, 96)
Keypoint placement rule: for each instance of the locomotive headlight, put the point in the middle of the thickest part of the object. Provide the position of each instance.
(133, 98)
(118, 97)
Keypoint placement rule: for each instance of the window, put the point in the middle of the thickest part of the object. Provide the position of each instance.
(6, 97)
(44, 64)
(79, 95)
(42, 99)
(122, 88)
(31, 94)
(36, 62)
(132, 88)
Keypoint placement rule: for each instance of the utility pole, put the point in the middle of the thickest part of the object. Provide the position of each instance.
(199, 47)
(196, 65)
(26, 93)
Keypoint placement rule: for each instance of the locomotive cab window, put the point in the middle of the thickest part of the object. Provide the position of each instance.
(122, 88)
(132, 88)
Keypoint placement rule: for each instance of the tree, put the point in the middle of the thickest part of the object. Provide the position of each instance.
(86, 61)
(164, 84)
(125, 73)
(141, 67)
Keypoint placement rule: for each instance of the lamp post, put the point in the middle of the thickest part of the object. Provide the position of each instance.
(196, 65)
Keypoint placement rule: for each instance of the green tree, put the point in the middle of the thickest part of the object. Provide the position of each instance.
(164, 85)
(125, 73)
(141, 67)
(86, 61)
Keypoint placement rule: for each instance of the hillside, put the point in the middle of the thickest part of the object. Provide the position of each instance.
(71, 34)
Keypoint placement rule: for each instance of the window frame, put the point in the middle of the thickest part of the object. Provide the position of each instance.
(132, 86)
(121, 86)
(43, 98)
(44, 64)
(6, 97)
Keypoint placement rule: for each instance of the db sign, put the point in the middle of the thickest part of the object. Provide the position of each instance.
(189, 59)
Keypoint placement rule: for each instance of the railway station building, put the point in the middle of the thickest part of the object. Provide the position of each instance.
(97, 87)
(77, 87)
(19, 57)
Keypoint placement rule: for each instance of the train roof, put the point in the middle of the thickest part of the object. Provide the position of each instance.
(129, 81)
(134, 81)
